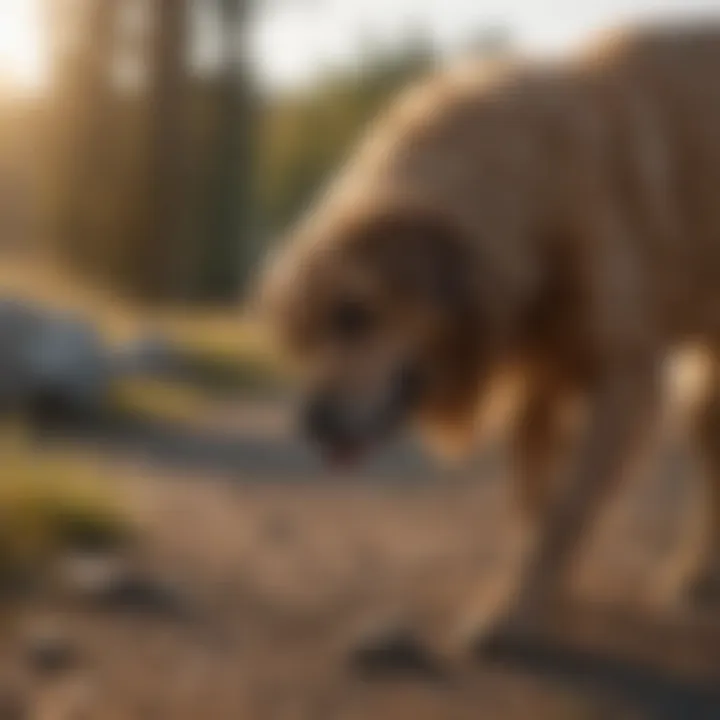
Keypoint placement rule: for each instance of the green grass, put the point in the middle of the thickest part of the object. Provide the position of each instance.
(159, 400)
(227, 352)
(223, 357)
(54, 503)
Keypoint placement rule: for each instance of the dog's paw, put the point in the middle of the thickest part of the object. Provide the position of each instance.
(508, 636)
(391, 650)
(495, 642)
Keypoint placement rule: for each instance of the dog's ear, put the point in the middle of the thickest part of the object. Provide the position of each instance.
(422, 252)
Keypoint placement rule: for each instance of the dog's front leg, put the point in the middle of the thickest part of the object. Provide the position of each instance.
(538, 444)
(623, 409)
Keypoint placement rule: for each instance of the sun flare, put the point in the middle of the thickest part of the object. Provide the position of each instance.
(22, 60)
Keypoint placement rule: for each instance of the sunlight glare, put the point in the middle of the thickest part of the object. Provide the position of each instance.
(22, 60)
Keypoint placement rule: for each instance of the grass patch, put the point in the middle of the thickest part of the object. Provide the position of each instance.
(159, 400)
(226, 352)
(245, 372)
(51, 504)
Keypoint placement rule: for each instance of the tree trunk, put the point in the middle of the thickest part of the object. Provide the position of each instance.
(83, 94)
(228, 252)
(157, 264)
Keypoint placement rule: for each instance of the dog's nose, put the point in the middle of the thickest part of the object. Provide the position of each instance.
(320, 420)
(409, 384)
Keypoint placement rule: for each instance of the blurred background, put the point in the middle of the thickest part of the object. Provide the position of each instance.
(167, 548)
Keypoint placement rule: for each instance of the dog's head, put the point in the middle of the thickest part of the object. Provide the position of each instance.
(383, 314)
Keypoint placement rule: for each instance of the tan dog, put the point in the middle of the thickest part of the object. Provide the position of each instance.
(563, 221)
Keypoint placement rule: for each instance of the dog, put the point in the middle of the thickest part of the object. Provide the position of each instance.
(556, 221)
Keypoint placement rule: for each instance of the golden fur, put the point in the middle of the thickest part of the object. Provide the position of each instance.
(562, 220)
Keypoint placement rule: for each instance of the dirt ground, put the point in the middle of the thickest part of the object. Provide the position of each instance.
(263, 596)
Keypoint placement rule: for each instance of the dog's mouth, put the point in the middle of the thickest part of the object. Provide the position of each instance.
(345, 438)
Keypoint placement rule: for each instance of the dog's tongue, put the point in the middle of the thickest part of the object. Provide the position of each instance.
(344, 457)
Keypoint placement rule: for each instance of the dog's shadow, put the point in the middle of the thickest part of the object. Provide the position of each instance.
(665, 668)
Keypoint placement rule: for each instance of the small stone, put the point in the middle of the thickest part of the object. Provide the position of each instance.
(139, 594)
(110, 583)
(51, 653)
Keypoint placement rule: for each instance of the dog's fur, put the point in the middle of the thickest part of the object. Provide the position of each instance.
(561, 220)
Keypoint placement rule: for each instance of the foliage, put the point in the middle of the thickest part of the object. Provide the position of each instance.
(307, 135)
(146, 187)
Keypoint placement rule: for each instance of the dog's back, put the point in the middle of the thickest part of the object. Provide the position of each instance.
(663, 117)
(512, 151)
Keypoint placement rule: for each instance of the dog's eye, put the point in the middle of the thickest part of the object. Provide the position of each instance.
(350, 320)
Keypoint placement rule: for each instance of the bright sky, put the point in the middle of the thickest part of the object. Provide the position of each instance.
(300, 36)
(22, 61)
(294, 39)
